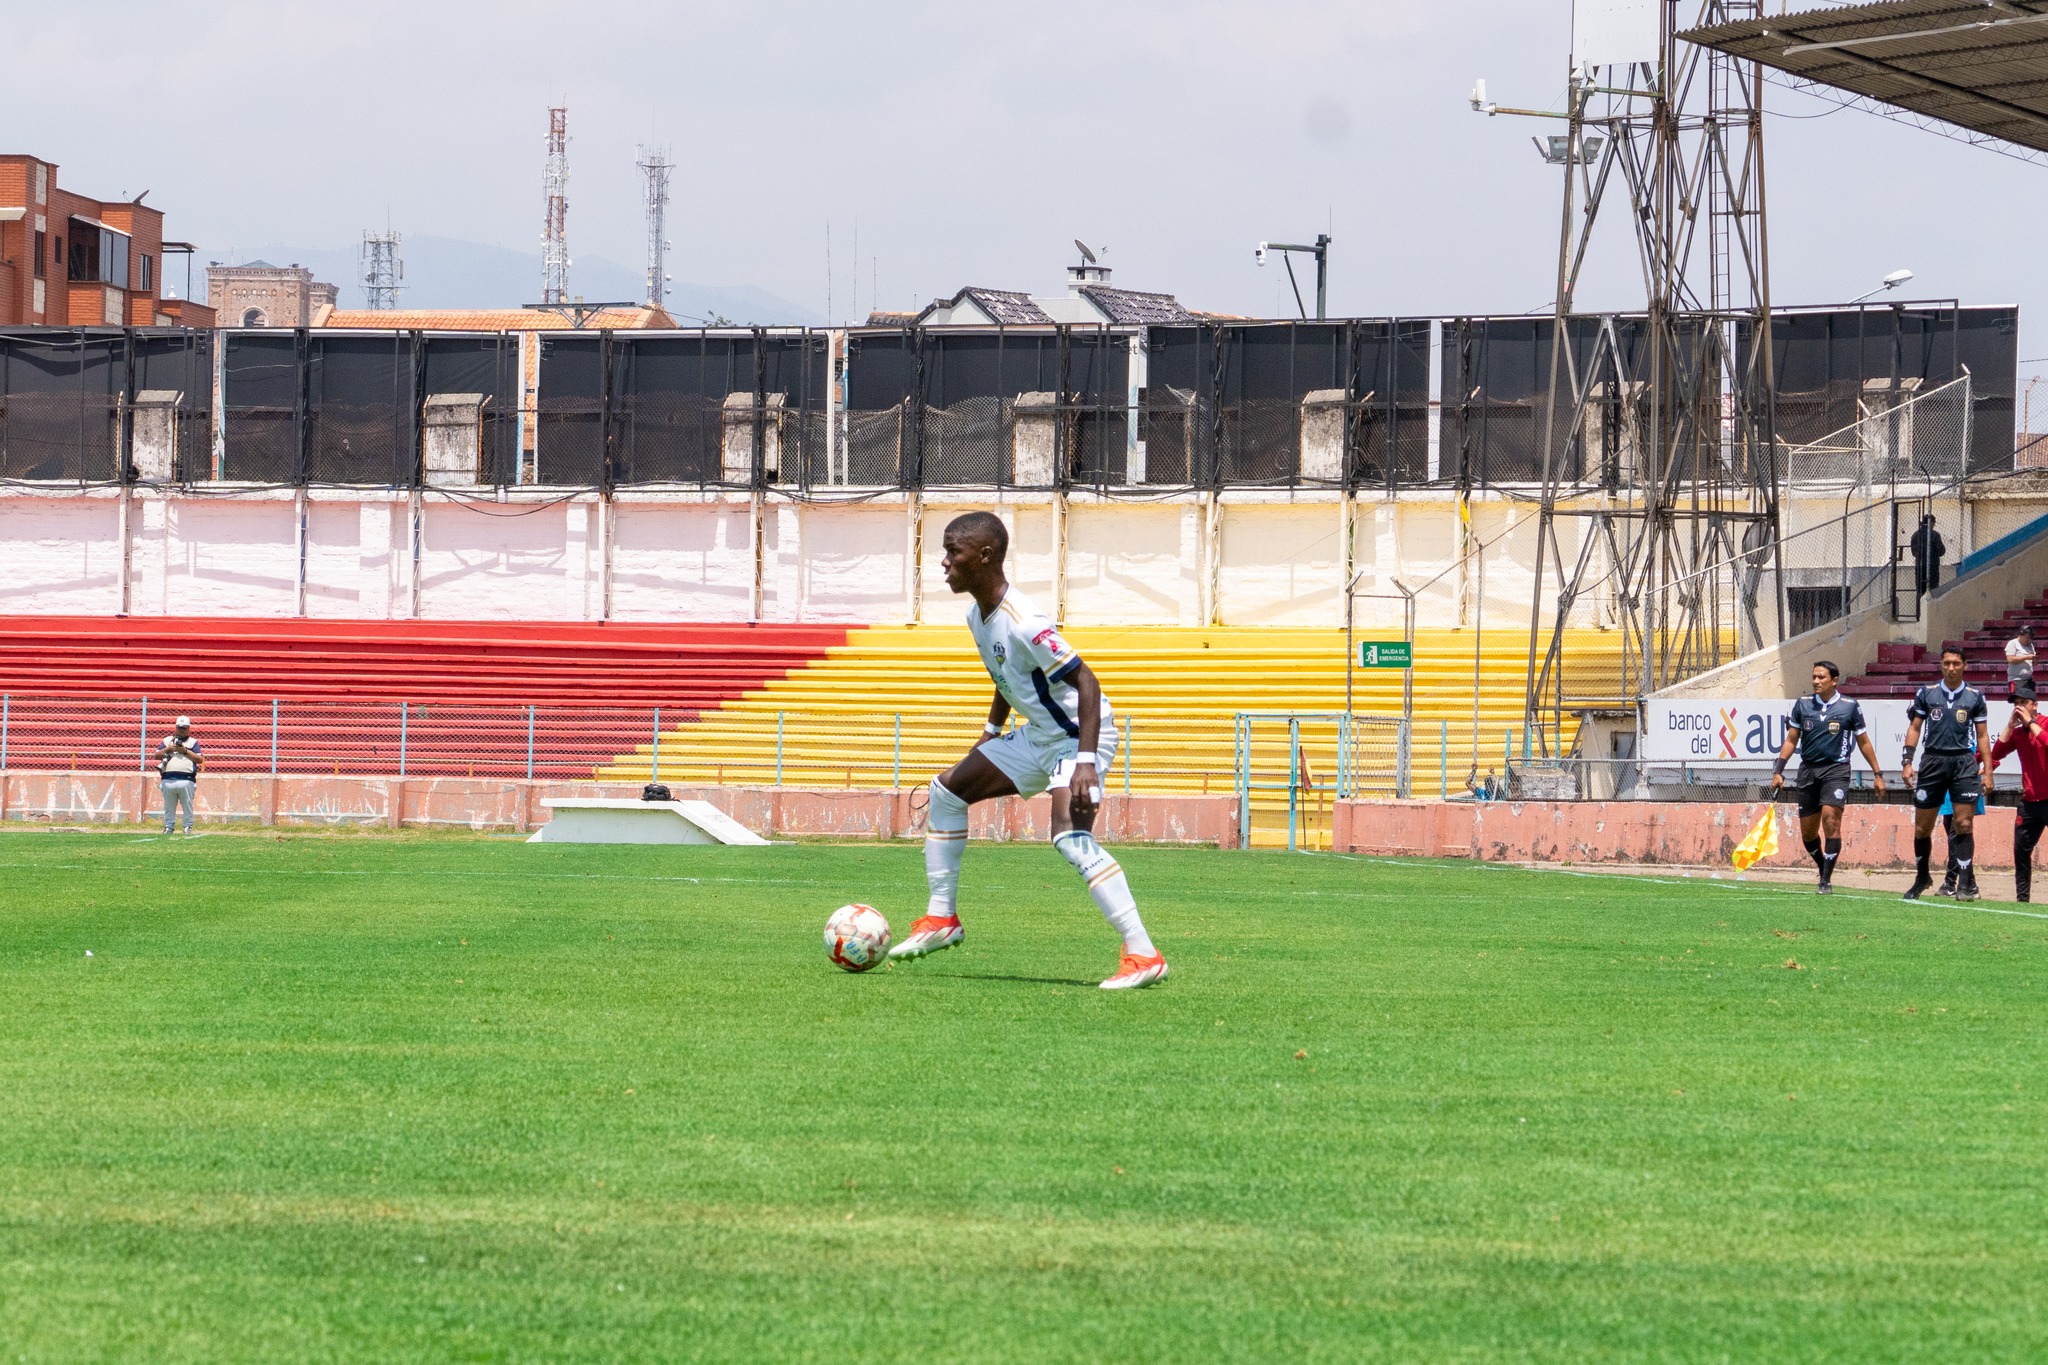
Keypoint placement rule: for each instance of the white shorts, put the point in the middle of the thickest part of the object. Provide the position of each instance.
(1032, 766)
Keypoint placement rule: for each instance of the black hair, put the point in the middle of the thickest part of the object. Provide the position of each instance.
(985, 525)
(1829, 665)
(1957, 652)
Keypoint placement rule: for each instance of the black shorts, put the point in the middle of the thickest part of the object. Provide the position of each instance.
(1819, 787)
(1954, 777)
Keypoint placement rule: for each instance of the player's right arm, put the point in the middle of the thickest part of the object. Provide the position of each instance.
(1785, 749)
(1912, 744)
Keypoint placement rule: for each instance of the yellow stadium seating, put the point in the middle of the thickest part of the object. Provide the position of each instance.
(896, 704)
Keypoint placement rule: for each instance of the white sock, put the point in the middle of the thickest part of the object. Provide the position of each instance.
(945, 844)
(1106, 883)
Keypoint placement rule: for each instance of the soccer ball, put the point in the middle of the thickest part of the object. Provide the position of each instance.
(857, 937)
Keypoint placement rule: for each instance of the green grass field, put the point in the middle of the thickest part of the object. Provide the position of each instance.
(388, 1098)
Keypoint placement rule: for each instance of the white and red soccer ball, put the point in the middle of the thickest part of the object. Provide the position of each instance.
(857, 937)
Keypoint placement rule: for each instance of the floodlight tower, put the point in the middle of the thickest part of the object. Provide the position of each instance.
(1657, 434)
(655, 166)
(382, 268)
(554, 237)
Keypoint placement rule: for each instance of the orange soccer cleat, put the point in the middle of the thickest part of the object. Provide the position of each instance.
(1133, 971)
(928, 935)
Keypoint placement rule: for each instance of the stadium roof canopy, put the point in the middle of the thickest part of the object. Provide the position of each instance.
(1978, 66)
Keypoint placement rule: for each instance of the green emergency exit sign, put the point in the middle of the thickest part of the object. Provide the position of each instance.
(1386, 654)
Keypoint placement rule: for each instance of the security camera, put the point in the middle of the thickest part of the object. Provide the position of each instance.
(1259, 253)
(1480, 105)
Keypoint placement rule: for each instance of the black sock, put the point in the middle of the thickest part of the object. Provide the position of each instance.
(1813, 852)
(1961, 850)
(1923, 849)
(1831, 850)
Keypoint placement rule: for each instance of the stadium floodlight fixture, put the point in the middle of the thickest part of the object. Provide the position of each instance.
(1891, 281)
(1556, 150)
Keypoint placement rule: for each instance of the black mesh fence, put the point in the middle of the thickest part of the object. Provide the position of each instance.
(61, 392)
(1360, 403)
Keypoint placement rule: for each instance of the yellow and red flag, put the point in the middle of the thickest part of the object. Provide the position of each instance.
(1760, 843)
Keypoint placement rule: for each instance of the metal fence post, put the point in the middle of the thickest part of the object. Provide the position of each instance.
(1293, 776)
(144, 740)
(273, 736)
(529, 743)
(403, 709)
(1404, 752)
(896, 759)
(778, 748)
(654, 764)
(1129, 723)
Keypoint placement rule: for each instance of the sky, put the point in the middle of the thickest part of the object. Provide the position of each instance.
(958, 143)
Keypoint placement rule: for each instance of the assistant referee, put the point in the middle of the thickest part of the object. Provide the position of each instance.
(1956, 767)
(1823, 728)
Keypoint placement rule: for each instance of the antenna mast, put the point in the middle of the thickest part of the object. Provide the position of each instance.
(382, 268)
(554, 237)
(1660, 485)
(655, 166)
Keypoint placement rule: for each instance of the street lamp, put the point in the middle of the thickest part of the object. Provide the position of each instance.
(1321, 251)
(1891, 281)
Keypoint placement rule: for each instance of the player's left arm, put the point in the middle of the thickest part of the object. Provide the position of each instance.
(1984, 751)
(1870, 757)
(1088, 700)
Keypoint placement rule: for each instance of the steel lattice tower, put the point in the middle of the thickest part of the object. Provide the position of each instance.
(1658, 438)
(655, 166)
(381, 268)
(554, 237)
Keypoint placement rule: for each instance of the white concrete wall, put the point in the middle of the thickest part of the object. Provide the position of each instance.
(1259, 559)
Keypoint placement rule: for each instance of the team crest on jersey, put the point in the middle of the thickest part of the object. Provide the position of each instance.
(1000, 657)
(1834, 727)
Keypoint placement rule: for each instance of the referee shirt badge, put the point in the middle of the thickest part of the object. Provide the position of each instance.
(1834, 727)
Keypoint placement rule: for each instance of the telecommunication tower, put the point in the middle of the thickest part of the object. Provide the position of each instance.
(655, 166)
(554, 237)
(382, 267)
(1660, 467)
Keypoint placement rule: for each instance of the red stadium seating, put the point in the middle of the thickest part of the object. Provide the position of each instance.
(1901, 670)
(324, 696)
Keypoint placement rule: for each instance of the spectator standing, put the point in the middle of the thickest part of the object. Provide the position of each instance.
(1928, 547)
(2019, 661)
(2026, 736)
(178, 763)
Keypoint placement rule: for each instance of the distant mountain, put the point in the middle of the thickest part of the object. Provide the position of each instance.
(443, 272)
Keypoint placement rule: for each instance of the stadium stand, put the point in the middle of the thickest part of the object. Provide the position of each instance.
(833, 722)
(1900, 670)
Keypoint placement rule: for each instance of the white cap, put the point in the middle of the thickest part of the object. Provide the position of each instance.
(184, 722)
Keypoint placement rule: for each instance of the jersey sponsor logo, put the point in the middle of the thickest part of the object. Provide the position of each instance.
(1050, 638)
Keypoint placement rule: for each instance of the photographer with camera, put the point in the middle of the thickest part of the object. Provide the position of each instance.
(178, 764)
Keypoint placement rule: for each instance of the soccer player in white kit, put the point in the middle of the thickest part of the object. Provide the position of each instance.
(1066, 744)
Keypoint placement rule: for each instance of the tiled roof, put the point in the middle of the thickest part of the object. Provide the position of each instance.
(492, 319)
(1008, 307)
(1131, 306)
(887, 318)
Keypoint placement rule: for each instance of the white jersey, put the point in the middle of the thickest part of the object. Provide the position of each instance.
(1032, 666)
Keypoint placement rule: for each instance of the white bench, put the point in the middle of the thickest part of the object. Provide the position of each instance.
(620, 820)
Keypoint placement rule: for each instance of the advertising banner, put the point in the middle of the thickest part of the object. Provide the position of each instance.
(1747, 731)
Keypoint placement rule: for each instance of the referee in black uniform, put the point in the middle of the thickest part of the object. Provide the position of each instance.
(1824, 728)
(1954, 767)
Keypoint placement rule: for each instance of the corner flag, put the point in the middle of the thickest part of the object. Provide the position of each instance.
(1760, 843)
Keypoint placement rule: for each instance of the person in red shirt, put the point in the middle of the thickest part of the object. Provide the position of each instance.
(2026, 735)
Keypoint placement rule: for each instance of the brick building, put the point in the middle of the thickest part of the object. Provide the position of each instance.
(260, 294)
(66, 260)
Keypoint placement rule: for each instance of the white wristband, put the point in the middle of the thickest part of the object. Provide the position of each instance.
(989, 727)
